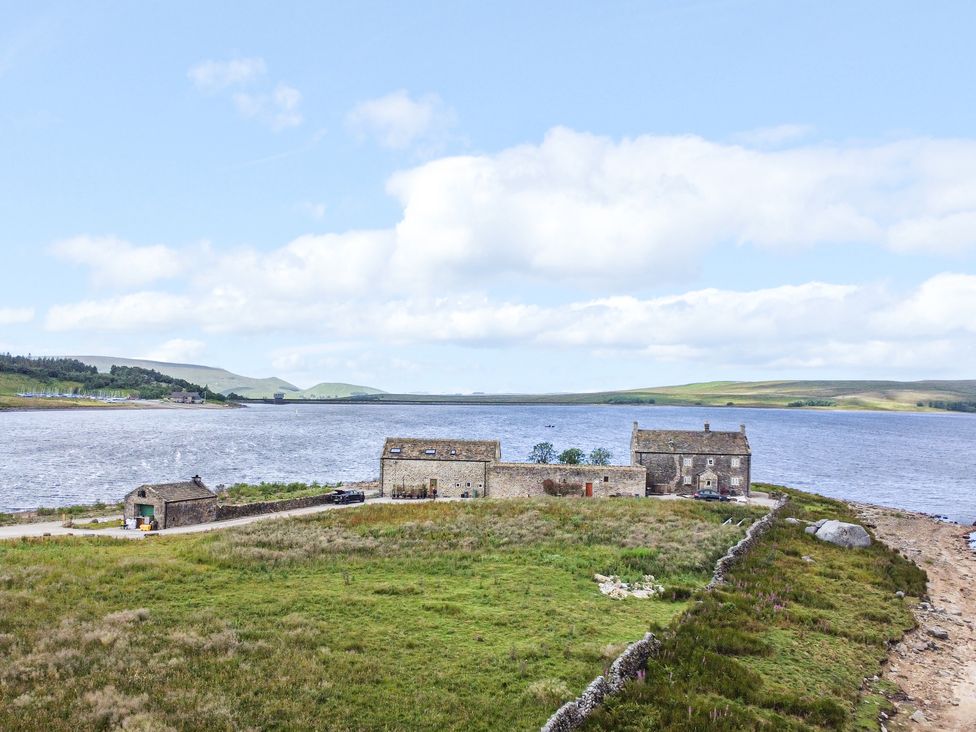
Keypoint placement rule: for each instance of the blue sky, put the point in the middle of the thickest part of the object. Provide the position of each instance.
(493, 196)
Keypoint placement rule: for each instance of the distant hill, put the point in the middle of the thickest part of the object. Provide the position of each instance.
(225, 382)
(880, 395)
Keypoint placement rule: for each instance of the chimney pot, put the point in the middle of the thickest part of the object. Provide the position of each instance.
(707, 427)
(742, 428)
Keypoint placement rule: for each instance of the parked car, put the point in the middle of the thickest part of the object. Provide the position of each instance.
(341, 495)
(709, 494)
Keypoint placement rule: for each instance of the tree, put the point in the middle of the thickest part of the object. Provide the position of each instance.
(544, 452)
(600, 456)
(572, 456)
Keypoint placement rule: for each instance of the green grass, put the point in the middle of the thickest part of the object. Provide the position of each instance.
(455, 616)
(240, 493)
(785, 645)
(46, 513)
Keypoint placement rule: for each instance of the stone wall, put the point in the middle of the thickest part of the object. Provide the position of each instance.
(225, 512)
(520, 480)
(571, 715)
(186, 513)
(628, 664)
(150, 499)
(453, 477)
(745, 545)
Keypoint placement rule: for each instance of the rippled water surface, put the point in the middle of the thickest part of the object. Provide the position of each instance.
(917, 461)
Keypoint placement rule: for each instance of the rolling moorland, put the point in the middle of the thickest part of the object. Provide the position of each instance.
(455, 616)
(930, 395)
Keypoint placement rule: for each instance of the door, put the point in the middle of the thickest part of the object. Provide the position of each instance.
(145, 510)
(433, 484)
(589, 490)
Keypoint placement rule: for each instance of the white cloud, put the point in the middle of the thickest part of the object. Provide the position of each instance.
(16, 316)
(176, 350)
(279, 109)
(217, 75)
(118, 263)
(398, 120)
(134, 312)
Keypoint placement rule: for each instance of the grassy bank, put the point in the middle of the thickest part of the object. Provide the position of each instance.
(785, 645)
(477, 615)
(75, 512)
(241, 493)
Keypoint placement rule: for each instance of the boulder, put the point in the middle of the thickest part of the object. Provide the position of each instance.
(940, 633)
(811, 529)
(849, 536)
(792, 521)
(818, 524)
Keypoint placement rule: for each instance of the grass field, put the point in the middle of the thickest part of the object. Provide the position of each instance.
(456, 616)
(785, 645)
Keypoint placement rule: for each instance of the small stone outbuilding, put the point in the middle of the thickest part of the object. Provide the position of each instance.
(172, 504)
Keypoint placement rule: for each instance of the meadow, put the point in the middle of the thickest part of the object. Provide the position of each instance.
(789, 643)
(456, 616)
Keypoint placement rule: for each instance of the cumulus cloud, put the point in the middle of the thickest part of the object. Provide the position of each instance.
(217, 75)
(176, 350)
(398, 121)
(118, 263)
(16, 316)
(774, 136)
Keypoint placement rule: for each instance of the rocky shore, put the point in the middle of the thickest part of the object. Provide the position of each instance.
(935, 664)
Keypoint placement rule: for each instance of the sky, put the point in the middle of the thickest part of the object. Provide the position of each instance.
(498, 197)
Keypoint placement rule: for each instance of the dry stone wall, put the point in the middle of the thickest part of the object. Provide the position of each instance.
(571, 715)
(225, 512)
(523, 480)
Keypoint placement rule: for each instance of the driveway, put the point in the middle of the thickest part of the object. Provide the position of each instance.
(54, 528)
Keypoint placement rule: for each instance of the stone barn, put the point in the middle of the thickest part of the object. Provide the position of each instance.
(172, 504)
(685, 461)
(451, 467)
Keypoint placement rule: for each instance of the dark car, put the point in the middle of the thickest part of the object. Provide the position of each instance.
(343, 496)
(707, 494)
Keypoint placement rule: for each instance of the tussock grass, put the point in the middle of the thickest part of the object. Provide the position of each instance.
(455, 616)
(784, 645)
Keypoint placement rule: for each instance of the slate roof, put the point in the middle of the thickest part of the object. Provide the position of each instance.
(415, 448)
(691, 441)
(183, 491)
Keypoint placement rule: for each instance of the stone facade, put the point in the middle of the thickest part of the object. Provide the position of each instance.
(683, 461)
(452, 467)
(172, 504)
(515, 480)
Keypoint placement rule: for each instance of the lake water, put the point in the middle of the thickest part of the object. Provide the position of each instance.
(917, 461)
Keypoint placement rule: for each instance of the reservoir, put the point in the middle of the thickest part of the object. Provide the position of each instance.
(921, 462)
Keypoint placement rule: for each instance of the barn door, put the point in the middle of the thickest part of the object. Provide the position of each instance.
(589, 490)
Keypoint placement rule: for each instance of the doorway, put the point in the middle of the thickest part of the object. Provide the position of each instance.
(589, 490)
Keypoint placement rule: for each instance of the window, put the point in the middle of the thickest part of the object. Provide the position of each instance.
(734, 481)
(687, 462)
(710, 462)
(430, 451)
(142, 494)
(687, 480)
(606, 478)
(453, 451)
(469, 484)
(395, 450)
(735, 462)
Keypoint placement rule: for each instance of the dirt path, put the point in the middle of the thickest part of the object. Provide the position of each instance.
(937, 673)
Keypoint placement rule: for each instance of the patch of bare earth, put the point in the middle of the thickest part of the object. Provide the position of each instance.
(935, 664)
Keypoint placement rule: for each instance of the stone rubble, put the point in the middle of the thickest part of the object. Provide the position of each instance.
(612, 587)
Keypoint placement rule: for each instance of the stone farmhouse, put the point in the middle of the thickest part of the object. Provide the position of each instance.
(186, 397)
(172, 504)
(679, 461)
(662, 461)
(474, 468)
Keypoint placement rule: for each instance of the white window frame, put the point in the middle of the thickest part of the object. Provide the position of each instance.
(430, 451)
(710, 462)
(734, 481)
(395, 450)
(686, 462)
(687, 480)
(736, 462)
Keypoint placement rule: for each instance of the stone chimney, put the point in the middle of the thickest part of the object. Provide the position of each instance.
(742, 428)
(198, 480)
(708, 427)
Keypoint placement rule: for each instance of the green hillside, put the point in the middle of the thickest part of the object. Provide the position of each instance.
(880, 395)
(225, 382)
